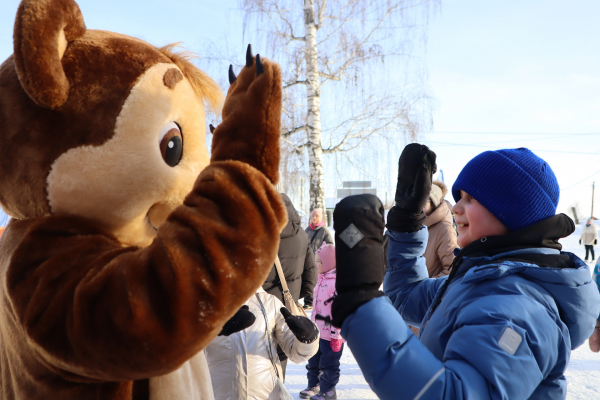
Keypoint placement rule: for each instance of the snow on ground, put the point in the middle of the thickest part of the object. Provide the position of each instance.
(583, 374)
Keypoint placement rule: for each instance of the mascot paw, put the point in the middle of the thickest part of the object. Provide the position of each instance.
(251, 117)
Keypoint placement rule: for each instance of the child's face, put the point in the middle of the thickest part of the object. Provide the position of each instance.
(474, 221)
(319, 264)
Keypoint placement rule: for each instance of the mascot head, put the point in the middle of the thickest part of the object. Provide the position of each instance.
(97, 124)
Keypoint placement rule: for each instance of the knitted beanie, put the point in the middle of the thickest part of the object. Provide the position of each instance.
(515, 185)
(327, 255)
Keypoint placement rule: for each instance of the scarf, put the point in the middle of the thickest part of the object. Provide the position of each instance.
(317, 225)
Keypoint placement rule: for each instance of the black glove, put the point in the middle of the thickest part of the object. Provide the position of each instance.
(358, 222)
(579, 241)
(303, 328)
(416, 167)
(595, 241)
(241, 320)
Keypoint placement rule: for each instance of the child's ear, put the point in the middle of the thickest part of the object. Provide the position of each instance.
(42, 31)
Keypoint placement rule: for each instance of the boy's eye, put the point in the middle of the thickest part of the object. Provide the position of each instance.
(171, 144)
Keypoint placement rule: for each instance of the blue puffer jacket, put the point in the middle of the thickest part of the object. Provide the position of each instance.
(596, 276)
(504, 330)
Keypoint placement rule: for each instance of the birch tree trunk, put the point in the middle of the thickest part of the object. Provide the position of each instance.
(344, 42)
(313, 128)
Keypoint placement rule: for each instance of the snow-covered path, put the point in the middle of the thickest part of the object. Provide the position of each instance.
(583, 374)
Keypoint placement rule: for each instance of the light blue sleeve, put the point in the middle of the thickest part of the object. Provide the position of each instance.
(406, 281)
(398, 366)
(596, 277)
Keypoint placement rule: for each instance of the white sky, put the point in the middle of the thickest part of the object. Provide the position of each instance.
(505, 74)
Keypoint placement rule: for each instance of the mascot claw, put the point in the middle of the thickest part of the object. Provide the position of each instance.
(249, 56)
(259, 66)
(232, 76)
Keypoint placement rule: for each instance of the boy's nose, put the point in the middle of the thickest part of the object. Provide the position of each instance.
(456, 209)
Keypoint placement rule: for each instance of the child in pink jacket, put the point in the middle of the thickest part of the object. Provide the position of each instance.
(324, 367)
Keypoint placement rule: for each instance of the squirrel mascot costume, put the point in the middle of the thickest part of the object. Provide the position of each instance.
(129, 247)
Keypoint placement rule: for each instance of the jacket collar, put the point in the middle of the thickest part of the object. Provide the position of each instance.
(328, 275)
(541, 235)
(529, 244)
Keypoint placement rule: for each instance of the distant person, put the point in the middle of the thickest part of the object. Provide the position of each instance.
(589, 237)
(323, 369)
(298, 264)
(317, 235)
(442, 240)
(244, 365)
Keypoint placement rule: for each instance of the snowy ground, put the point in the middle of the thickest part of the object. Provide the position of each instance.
(583, 374)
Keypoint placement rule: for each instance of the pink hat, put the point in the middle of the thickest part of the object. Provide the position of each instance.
(327, 255)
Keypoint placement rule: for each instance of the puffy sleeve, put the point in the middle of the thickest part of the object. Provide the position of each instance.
(296, 351)
(406, 281)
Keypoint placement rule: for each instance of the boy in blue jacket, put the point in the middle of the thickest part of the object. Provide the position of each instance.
(503, 323)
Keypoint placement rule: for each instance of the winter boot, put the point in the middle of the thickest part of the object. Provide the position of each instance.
(331, 395)
(308, 392)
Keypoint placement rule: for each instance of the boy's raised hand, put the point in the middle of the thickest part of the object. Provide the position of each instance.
(416, 167)
(358, 222)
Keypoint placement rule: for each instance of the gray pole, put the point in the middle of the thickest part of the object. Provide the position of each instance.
(592, 217)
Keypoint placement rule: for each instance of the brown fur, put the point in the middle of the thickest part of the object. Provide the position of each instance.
(124, 313)
(251, 102)
(172, 77)
(101, 67)
(206, 88)
(38, 26)
(84, 314)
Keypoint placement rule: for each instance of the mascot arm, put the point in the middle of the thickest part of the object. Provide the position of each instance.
(95, 310)
(251, 127)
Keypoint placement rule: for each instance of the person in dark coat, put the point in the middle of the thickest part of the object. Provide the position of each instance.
(317, 231)
(317, 235)
(297, 261)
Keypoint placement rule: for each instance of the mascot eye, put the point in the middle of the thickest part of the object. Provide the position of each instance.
(171, 144)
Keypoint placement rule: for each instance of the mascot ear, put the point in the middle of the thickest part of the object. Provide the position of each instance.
(42, 30)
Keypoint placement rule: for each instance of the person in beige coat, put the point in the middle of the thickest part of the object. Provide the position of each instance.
(442, 235)
(589, 237)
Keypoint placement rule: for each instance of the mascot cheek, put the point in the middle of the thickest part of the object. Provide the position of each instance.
(126, 185)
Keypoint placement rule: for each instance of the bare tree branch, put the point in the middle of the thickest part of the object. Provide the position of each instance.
(292, 131)
(288, 85)
(349, 42)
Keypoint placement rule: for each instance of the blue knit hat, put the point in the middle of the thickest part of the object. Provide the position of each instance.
(515, 185)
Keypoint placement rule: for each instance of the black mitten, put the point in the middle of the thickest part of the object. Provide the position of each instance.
(303, 328)
(416, 167)
(358, 222)
(595, 241)
(579, 241)
(242, 319)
